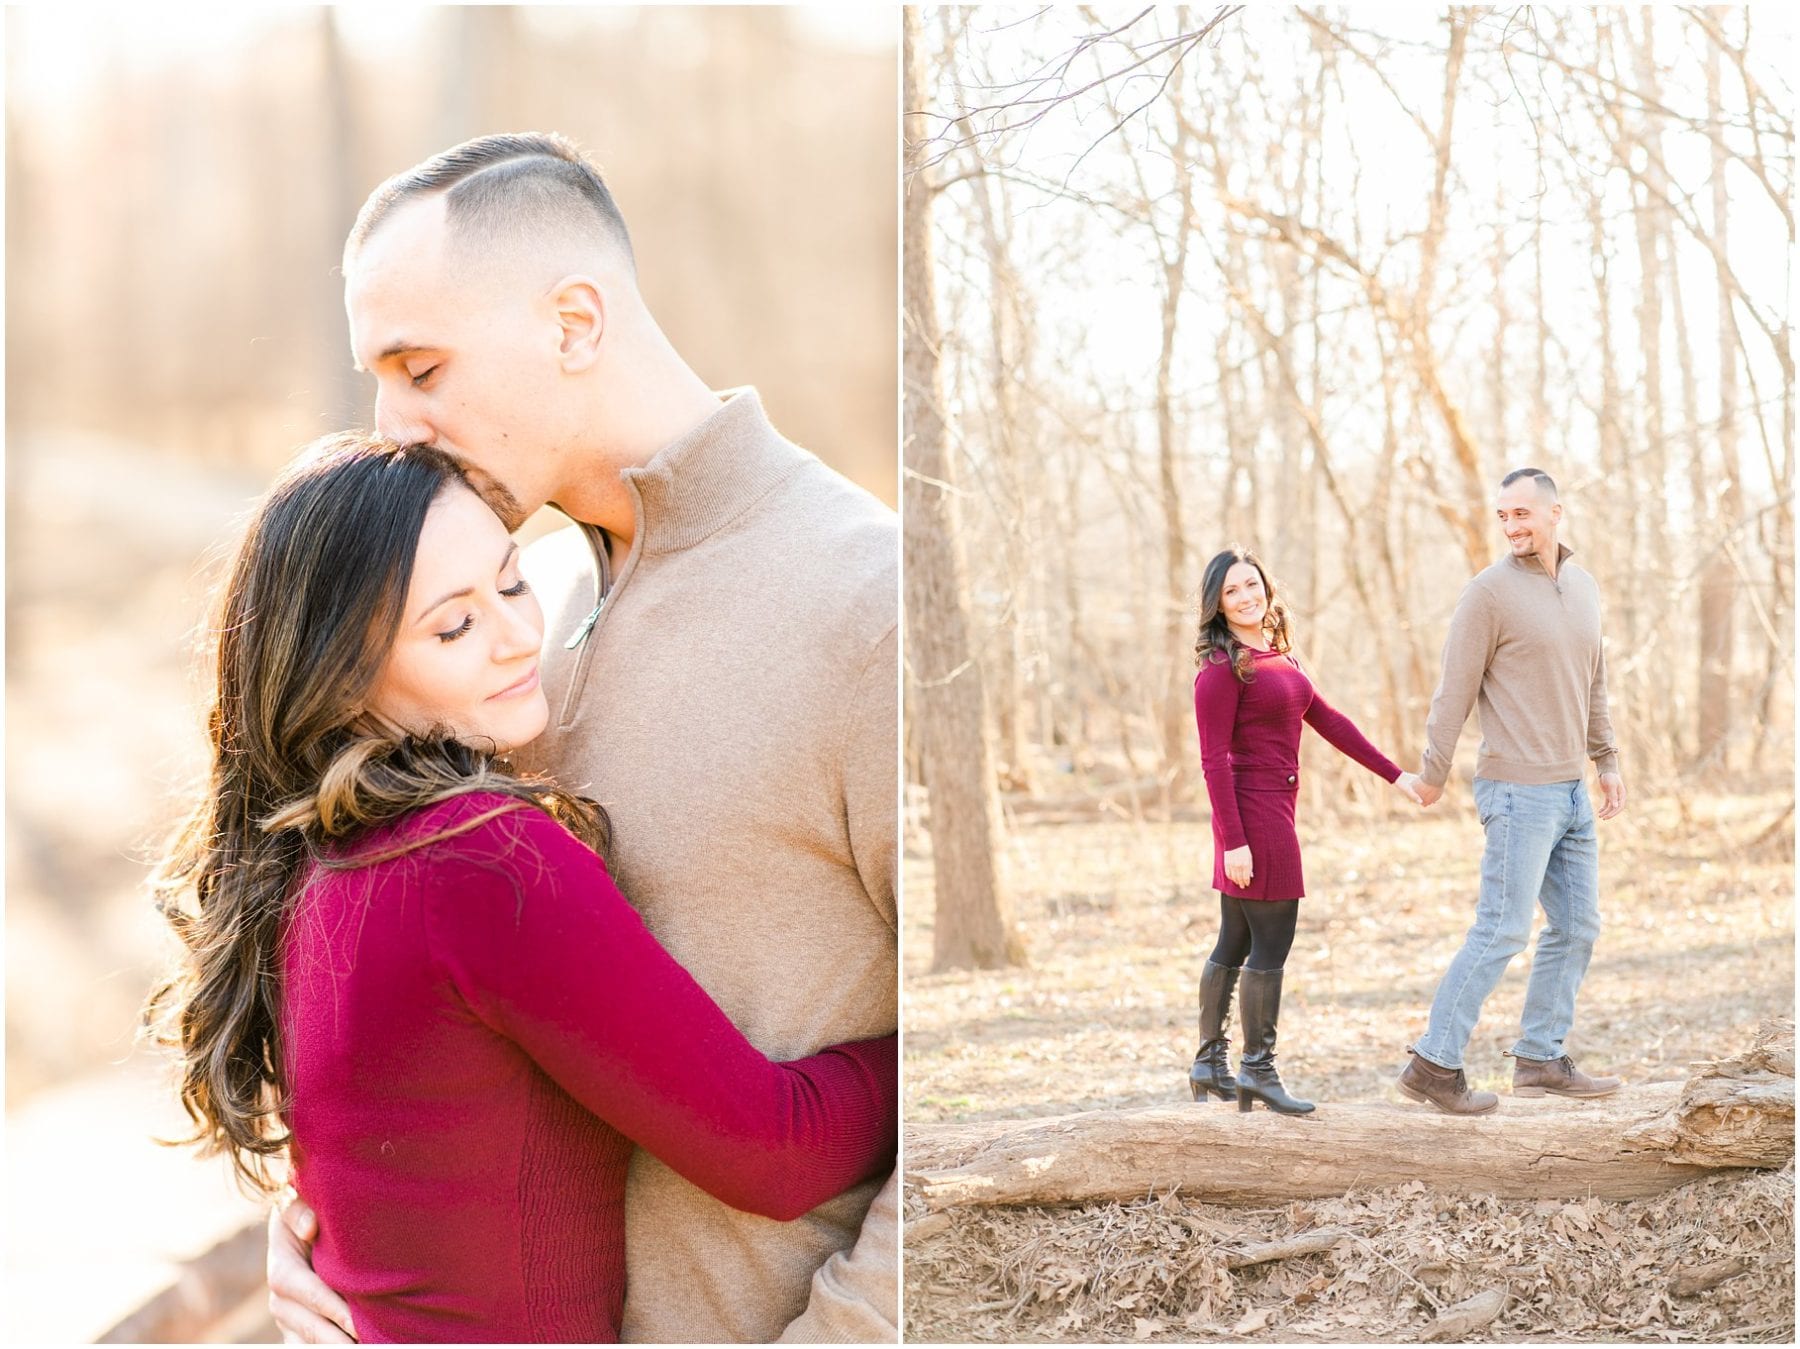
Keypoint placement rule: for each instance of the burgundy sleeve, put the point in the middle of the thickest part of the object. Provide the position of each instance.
(1341, 733)
(530, 930)
(1216, 692)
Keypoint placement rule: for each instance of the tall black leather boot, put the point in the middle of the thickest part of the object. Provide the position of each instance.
(1259, 1008)
(1211, 1073)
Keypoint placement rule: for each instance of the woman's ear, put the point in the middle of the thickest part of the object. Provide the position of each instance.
(580, 308)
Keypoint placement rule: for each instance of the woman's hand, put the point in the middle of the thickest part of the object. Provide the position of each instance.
(305, 1310)
(1407, 784)
(1237, 866)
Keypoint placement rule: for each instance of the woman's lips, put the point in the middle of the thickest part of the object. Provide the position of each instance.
(525, 685)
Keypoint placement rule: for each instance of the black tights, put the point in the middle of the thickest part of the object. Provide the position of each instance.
(1255, 932)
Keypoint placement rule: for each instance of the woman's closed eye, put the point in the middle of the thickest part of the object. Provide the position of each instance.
(512, 592)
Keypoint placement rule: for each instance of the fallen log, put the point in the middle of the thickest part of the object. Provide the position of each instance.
(1733, 1107)
(1736, 1112)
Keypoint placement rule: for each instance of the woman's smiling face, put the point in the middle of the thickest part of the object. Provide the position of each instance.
(465, 658)
(1242, 598)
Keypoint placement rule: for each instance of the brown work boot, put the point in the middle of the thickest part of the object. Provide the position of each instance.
(1557, 1077)
(1445, 1088)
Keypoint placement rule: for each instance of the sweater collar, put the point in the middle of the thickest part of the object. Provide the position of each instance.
(1535, 565)
(707, 477)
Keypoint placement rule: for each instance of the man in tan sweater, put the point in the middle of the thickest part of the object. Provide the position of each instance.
(1525, 648)
(722, 670)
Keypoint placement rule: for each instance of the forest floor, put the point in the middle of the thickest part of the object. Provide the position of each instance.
(1698, 947)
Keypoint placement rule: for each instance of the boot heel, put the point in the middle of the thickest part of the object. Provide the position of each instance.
(1197, 1089)
(1529, 1091)
(1245, 1100)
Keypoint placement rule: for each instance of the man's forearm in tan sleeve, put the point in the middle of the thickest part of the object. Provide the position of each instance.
(1467, 651)
(855, 1297)
(1602, 748)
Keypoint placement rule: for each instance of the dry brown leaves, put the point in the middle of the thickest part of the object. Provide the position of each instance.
(1712, 1261)
(1698, 947)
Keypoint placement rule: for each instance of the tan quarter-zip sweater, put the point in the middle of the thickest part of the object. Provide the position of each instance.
(735, 710)
(1526, 649)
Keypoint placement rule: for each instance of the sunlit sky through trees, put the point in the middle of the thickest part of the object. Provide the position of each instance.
(1094, 277)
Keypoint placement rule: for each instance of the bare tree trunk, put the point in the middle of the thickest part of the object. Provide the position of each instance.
(342, 192)
(973, 914)
(1718, 588)
(1497, 397)
(1617, 540)
(477, 70)
(1177, 719)
(1540, 391)
(1007, 651)
(1611, 438)
(1649, 212)
(1292, 563)
(1704, 517)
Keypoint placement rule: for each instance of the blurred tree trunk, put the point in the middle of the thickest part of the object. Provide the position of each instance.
(1718, 587)
(1497, 382)
(973, 912)
(477, 80)
(1079, 724)
(1540, 385)
(1291, 563)
(1006, 324)
(347, 399)
(1612, 449)
(1683, 730)
(1177, 715)
(1649, 214)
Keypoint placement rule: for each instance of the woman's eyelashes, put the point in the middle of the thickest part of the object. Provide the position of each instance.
(419, 379)
(512, 592)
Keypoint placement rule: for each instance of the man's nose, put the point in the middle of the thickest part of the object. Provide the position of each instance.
(394, 423)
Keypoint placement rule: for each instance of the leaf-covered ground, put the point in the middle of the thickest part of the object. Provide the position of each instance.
(1697, 949)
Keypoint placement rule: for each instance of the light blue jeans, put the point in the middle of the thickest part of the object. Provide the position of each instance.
(1540, 849)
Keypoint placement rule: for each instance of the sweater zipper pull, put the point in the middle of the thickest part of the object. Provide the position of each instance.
(587, 626)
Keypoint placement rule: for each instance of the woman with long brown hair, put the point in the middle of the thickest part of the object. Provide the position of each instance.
(407, 969)
(1250, 700)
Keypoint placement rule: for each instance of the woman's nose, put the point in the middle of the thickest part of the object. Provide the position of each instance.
(522, 630)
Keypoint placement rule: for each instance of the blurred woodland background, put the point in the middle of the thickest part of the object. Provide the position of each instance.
(179, 182)
(1313, 279)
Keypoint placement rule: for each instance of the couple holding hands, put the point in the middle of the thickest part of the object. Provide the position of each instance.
(1524, 647)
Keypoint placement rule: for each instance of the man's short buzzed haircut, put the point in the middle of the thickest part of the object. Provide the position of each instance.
(1545, 482)
(499, 187)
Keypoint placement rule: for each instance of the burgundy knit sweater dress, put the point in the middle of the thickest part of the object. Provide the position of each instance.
(1250, 752)
(474, 1036)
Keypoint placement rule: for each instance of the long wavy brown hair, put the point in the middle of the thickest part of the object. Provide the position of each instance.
(306, 617)
(1215, 639)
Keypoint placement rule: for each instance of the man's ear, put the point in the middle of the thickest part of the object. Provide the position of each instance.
(580, 308)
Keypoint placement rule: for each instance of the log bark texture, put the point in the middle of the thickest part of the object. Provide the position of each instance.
(1732, 1113)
